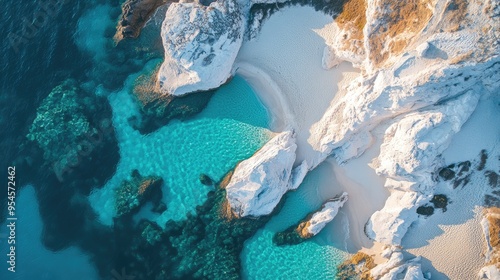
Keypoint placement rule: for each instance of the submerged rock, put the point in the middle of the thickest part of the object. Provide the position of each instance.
(312, 224)
(158, 109)
(132, 194)
(258, 183)
(458, 174)
(135, 14)
(74, 132)
(206, 180)
(201, 43)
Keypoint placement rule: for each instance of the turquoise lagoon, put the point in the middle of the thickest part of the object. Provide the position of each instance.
(231, 128)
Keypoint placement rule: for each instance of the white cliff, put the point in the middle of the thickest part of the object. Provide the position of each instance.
(325, 215)
(258, 183)
(201, 44)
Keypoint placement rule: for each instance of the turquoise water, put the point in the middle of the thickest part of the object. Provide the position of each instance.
(231, 128)
(316, 258)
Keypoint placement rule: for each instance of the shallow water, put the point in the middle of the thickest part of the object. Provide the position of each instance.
(231, 128)
(316, 258)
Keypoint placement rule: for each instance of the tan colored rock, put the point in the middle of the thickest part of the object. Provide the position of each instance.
(135, 14)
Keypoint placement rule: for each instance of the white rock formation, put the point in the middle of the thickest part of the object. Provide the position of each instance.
(326, 214)
(407, 159)
(423, 80)
(397, 268)
(201, 44)
(259, 182)
(426, 90)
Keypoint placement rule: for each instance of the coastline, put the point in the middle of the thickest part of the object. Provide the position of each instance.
(269, 93)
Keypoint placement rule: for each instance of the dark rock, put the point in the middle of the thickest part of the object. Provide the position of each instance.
(74, 134)
(459, 173)
(159, 208)
(151, 232)
(288, 237)
(491, 201)
(482, 161)
(425, 210)
(440, 201)
(206, 180)
(131, 195)
(463, 167)
(492, 178)
(447, 173)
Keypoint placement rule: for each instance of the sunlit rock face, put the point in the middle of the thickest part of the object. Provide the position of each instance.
(201, 43)
(258, 183)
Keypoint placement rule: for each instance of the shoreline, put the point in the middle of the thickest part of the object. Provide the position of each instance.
(269, 93)
(285, 90)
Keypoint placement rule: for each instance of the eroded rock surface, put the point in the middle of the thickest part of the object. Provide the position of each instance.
(258, 183)
(201, 43)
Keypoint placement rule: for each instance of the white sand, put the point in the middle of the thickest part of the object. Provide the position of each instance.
(284, 61)
(367, 195)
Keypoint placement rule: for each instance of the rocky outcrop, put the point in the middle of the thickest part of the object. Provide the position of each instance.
(312, 224)
(399, 268)
(158, 109)
(201, 43)
(298, 174)
(408, 157)
(132, 194)
(206, 180)
(258, 183)
(423, 81)
(362, 266)
(135, 14)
